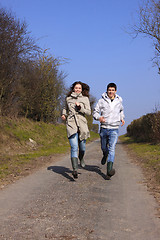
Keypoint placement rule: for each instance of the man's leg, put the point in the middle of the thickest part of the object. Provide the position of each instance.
(104, 141)
(113, 137)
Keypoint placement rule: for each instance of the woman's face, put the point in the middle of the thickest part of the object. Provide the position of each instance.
(77, 88)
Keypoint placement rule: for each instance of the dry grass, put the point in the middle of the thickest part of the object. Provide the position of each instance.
(147, 156)
(26, 145)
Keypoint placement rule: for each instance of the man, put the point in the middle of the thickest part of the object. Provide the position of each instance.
(109, 111)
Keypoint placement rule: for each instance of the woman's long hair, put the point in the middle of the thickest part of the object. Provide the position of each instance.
(85, 88)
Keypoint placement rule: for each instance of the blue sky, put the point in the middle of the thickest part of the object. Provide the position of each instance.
(92, 35)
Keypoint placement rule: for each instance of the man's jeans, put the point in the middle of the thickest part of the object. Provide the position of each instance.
(75, 143)
(109, 139)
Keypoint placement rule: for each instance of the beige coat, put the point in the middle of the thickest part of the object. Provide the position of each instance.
(75, 119)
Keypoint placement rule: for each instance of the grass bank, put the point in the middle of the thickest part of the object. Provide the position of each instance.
(147, 156)
(26, 145)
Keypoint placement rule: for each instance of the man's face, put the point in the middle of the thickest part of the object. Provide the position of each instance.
(111, 92)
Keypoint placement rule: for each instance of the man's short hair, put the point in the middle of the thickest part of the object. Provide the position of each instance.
(112, 85)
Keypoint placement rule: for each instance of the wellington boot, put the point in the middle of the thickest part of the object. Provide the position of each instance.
(81, 155)
(74, 162)
(110, 169)
(75, 174)
(104, 158)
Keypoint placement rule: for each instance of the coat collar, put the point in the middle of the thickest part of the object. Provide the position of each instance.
(106, 98)
(75, 95)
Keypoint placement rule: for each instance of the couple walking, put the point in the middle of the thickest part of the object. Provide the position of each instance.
(109, 111)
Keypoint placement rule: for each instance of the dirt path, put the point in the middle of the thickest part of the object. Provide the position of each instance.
(49, 204)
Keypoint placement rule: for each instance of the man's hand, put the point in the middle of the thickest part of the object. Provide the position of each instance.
(123, 122)
(102, 119)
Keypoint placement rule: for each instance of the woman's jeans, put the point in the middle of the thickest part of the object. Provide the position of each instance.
(75, 143)
(109, 139)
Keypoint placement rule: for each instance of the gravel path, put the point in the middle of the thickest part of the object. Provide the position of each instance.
(50, 204)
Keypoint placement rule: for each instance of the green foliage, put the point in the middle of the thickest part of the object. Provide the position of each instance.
(89, 120)
(148, 154)
(146, 128)
(95, 128)
(93, 136)
(23, 141)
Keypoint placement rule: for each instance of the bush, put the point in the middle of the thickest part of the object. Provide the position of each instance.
(146, 128)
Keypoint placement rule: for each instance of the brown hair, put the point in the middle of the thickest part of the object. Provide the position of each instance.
(112, 85)
(85, 88)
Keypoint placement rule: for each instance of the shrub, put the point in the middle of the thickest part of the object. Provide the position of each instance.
(146, 128)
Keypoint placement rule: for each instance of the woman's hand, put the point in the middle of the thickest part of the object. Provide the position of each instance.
(63, 117)
(78, 106)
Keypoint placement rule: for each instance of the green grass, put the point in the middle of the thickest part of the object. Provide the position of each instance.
(17, 152)
(148, 155)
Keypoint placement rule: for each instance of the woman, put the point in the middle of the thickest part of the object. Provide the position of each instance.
(77, 106)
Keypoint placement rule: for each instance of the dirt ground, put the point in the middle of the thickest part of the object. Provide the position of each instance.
(29, 168)
(151, 183)
(50, 204)
(40, 162)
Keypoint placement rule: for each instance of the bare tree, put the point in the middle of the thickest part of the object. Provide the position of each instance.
(52, 87)
(149, 25)
(43, 89)
(16, 46)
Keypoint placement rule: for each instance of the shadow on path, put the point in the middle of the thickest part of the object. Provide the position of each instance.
(62, 170)
(66, 171)
(94, 168)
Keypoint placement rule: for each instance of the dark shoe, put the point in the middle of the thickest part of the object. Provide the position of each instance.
(108, 177)
(81, 155)
(75, 174)
(110, 169)
(104, 159)
(74, 162)
(112, 172)
(82, 163)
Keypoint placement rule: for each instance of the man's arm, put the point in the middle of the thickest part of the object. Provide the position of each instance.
(122, 114)
(96, 113)
(123, 122)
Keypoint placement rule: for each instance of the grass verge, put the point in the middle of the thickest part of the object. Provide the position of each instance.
(27, 145)
(147, 156)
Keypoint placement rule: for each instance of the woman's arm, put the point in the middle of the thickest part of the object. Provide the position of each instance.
(84, 108)
(64, 112)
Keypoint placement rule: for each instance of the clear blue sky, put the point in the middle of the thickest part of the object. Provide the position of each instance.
(91, 34)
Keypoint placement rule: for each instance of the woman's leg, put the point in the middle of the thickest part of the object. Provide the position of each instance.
(82, 148)
(73, 140)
